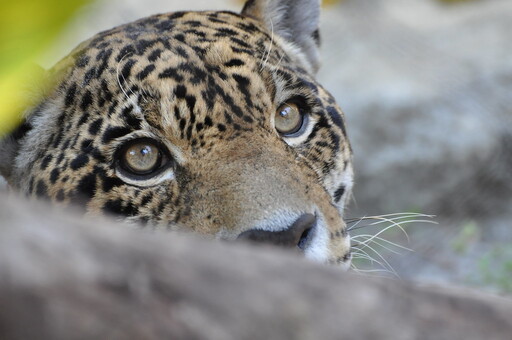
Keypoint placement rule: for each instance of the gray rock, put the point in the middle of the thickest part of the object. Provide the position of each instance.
(427, 91)
(66, 278)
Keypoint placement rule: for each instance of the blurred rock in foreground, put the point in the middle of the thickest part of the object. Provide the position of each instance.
(66, 278)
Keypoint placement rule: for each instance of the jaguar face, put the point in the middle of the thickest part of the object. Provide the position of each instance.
(205, 122)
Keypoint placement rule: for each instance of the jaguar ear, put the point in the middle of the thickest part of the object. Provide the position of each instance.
(9, 147)
(10, 142)
(296, 21)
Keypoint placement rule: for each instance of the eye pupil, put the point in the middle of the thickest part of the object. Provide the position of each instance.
(146, 150)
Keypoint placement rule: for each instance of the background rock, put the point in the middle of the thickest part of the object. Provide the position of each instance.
(427, 92)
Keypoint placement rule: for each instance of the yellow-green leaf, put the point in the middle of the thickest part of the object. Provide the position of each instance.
(27, 29)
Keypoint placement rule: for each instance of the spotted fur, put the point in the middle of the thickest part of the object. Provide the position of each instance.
(205, 86)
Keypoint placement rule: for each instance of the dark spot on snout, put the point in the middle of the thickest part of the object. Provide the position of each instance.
(296, 235)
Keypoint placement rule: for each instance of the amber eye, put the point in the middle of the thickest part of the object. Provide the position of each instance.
(288, 119)
(141, 157)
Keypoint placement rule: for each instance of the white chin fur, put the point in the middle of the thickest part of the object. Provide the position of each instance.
(318, 248)
(346, 265)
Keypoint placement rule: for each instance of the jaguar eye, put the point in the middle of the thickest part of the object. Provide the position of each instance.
(141, 157)
(288, 119)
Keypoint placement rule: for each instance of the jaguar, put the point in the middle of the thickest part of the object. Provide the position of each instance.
(209, 122)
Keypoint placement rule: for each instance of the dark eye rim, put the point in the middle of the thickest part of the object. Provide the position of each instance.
(304, 108)
(164, 159)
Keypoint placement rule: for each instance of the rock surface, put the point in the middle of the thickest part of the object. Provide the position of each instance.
(66, 278)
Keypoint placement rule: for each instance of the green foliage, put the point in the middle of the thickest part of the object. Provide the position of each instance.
(330, 2)
(495, 269)
(453, 1)
(27, 29)
(469, 234)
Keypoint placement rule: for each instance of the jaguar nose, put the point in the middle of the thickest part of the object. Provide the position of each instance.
(296, 235)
